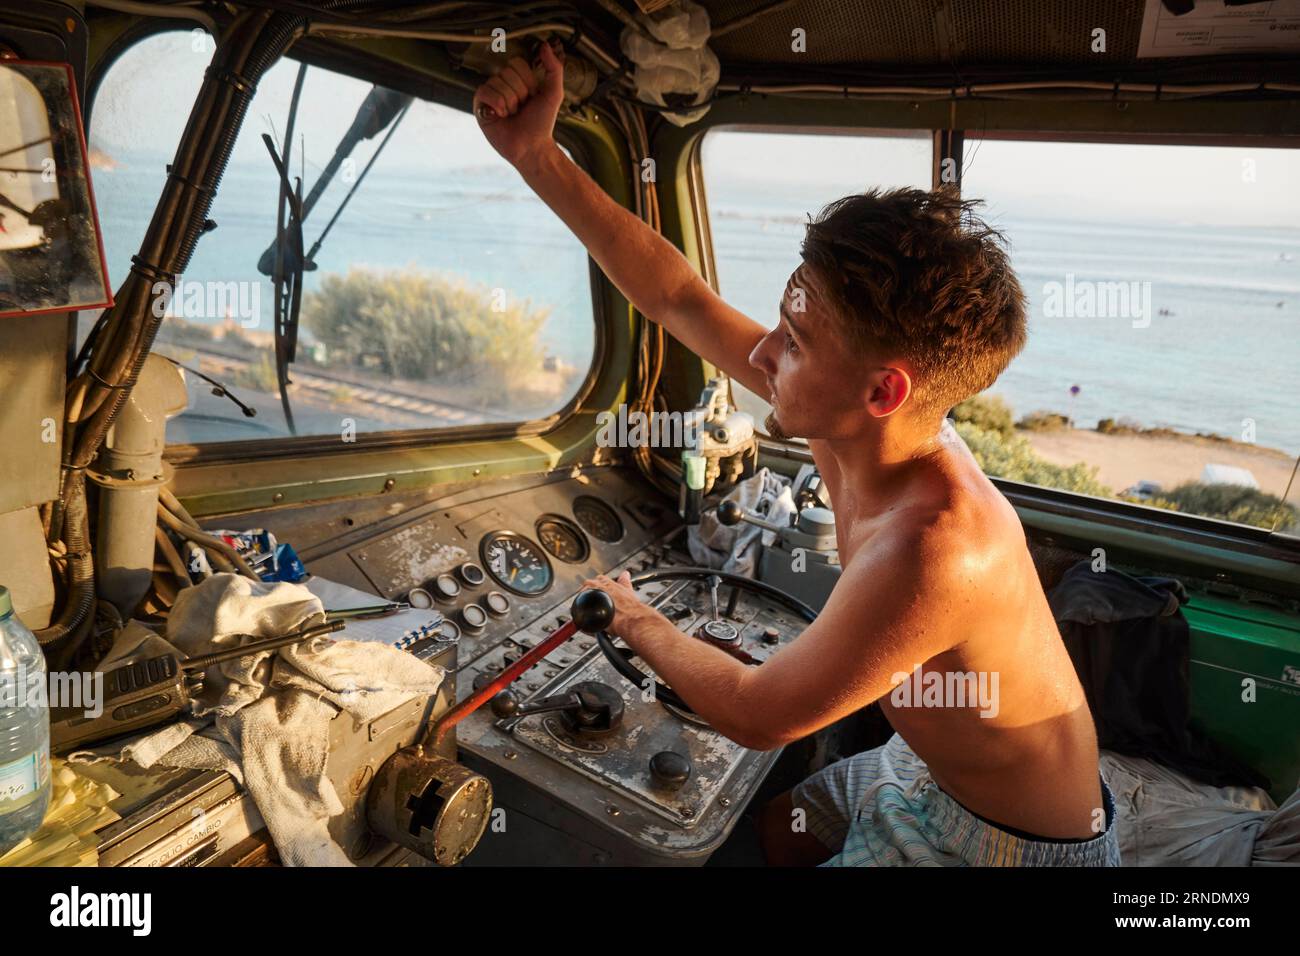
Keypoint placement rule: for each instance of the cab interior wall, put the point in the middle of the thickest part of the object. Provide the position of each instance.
(203, 475)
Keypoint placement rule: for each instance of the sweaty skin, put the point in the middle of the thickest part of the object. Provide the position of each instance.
(936, 571)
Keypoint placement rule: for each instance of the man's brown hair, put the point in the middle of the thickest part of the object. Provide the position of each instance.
(919, 275)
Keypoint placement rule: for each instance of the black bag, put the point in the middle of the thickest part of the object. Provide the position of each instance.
(1129, 642)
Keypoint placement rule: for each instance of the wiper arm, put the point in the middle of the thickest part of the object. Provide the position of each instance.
(218, 389)
(287, 301)
(315, 246)
(377, 111)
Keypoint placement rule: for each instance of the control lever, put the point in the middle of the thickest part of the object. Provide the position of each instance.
(422, 799)
(714, 583)
(730, 513)
(591, 611)
(588, 707)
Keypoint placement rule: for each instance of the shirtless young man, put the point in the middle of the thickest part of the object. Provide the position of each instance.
(904, 306)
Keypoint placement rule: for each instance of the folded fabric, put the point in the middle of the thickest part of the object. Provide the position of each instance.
(265, 718)
(1166, 818)
(736, 548)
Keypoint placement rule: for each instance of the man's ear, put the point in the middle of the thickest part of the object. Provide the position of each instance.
(888, 389)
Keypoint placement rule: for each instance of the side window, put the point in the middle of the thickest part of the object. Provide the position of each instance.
(762, 187)
(438, 291)
(1163, 285)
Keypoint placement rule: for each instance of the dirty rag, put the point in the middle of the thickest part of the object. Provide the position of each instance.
(265, 718)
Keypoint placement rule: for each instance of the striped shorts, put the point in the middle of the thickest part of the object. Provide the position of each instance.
(882, 808)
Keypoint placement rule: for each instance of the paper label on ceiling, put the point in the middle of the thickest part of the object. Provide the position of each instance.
(1211, 28)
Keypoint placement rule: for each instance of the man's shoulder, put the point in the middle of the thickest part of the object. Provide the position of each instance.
(964, 538)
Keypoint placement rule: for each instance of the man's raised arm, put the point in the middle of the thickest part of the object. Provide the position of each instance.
(655, 277)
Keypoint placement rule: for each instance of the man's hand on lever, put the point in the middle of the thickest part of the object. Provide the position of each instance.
(628, 609)
(516, 109)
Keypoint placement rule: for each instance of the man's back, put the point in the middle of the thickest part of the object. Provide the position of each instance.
(1001, 712)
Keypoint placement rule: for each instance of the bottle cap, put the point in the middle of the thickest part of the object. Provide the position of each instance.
(6, 602)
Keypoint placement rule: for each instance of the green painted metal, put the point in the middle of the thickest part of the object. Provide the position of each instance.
(1245, 676)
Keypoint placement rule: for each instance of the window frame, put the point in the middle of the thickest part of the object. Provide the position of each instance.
(1183, 527)
(352, 63)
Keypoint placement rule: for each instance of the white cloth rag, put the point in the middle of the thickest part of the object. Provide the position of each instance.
(735, 549)
(265, 719)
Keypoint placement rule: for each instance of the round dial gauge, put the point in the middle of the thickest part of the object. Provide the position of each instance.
(448, 632)
(446, 587)
(516, 563)
(471, 574)
(473, 617)
(562, 538)
(597, 519)
(497, 603)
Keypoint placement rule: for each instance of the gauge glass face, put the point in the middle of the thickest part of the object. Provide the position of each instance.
(448, 632)
(471, 574)
(446, 586)
(562, 538)
(516, 563)
(721, 631)
(473, 615)
(497, 603)
(597, 519)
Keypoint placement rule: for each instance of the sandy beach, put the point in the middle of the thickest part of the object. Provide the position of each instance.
(1123, 460)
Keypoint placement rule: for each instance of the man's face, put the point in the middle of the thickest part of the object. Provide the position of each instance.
(814, 378)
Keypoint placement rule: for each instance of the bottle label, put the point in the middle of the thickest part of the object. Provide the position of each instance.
(22, 778)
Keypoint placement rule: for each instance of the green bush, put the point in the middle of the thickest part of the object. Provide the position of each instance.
(1012, 457)
(988, 412)
(1041, 421)
(1229, 503)
(424, 326)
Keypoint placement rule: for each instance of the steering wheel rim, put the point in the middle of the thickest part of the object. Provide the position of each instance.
(620, 658)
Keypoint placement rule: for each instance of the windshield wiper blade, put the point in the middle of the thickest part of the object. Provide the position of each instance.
(287, 301)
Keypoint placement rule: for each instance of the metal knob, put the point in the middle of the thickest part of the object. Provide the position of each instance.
(670, 770)
(592, 610)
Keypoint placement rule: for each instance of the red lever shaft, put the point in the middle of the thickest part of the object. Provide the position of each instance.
(438, 732)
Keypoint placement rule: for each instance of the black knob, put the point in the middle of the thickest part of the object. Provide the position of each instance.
(729, 513)
(669, 769)
(592, 610)
(505, 704)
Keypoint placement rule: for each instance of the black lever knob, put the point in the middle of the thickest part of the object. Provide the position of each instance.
(592, 610)
(730, 512)
(505, 704)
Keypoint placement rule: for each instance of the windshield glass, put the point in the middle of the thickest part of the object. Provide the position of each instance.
(445, 293)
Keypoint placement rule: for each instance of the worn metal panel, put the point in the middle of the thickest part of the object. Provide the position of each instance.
(32, 350)
(24, 569)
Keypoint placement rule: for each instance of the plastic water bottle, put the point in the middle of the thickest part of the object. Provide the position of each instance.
(24, 730)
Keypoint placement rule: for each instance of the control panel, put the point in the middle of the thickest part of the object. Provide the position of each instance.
(589, 761)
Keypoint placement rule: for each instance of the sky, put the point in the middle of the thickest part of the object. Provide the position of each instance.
(147, 95)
